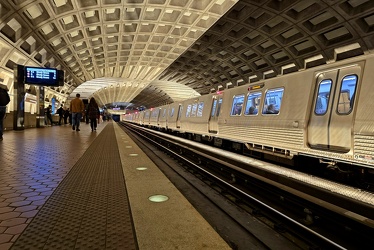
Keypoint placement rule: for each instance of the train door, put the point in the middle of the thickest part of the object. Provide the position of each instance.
(180, 107)
(332, 114)
(214, 113)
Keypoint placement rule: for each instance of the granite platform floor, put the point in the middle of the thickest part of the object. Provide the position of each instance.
(63, 189)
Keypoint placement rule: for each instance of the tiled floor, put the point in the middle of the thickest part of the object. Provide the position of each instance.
(33, 162)
(62, 189)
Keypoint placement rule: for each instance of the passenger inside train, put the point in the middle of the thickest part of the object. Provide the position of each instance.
(251, 111)
(271, 109)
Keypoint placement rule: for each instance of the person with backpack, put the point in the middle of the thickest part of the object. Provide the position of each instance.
(93, 112)
(4, 100)
(48, 112)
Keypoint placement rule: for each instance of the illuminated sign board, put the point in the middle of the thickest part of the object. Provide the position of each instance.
(256, 86)
(43, 76)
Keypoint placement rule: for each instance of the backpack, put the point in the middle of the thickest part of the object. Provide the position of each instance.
(4, 97)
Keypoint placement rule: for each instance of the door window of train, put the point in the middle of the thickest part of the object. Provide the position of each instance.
(194, 108)
(273, 101)
(347, 94)
(200, 109)
(155, 113)
(171, 112)
(180, 111)
(237, 105)
(214, 107)
(253, 103)
(323, 97)
(163, 114)
(219, 106)
(188, 112)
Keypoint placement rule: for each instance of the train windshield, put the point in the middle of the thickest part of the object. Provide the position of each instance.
(323, 97)
(347, 94)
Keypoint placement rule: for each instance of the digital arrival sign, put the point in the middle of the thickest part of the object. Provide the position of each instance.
(43, 76)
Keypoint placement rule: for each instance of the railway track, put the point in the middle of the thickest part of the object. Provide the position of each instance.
(271, 210)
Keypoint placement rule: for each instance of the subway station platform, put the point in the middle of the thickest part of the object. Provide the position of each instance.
(63, 189)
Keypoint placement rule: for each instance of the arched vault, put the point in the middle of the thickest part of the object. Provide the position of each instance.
(151, 52)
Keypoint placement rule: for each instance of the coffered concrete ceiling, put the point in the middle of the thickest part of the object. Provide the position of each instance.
(152, 52)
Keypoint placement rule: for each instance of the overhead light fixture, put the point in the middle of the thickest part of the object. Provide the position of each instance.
(68, 19)
(59, 3)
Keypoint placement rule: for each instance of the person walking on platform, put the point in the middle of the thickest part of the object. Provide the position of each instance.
(66, 116)
(76, 108)
(60, 112)
(4, 100)
(93, 112)
(48, 111)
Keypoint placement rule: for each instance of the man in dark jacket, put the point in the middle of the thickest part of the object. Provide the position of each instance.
(60, 112)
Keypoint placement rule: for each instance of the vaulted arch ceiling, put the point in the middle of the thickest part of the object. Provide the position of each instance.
(261, 39)
(137, 50)
(105, 42)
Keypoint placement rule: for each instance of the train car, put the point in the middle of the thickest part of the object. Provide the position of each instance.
(195, 118)
(325, 113)
(139, 119)
(154, 117)
(173, 117)
(131, 117)
(158, 117)
(163, 117)
(145, 117)
(268, 116)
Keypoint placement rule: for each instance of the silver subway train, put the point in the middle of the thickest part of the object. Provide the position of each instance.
(326, 113)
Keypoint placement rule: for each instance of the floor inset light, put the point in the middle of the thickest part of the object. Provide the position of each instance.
(141, 168)
(128, 146)
(133, 154)
(158, 198)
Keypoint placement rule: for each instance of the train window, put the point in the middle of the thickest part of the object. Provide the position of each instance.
(200, 109)
(214, 107)
(347, 94)
(180, 111)
(253, 102)
(273, 101)
(219, 106)
(188, 111)
(155, 113)
(194, 108)
(171, 112)
(323, 97)
(237, 105)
